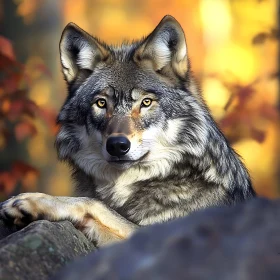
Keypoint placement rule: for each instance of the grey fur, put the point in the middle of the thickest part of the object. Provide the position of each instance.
(198, 168)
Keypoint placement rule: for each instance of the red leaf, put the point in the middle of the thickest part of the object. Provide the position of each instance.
(6, 48)
(20, 169)
(258, 135)
(244, 93)
(11, 74)
(18, 173)
(24, 129)
(269, 112)
(15, 110)
(7, 182)
(20, 107)
(31, 108)
(49, 116)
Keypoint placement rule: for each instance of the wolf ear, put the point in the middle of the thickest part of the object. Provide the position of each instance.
(165, 48)
(79, 51)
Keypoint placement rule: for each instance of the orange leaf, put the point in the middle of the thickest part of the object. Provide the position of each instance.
(5, 106)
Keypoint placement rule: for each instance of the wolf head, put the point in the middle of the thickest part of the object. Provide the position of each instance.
(132, 107)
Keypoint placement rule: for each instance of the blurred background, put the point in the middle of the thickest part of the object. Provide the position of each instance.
(233, 46)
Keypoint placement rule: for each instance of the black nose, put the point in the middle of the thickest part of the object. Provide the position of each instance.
(117, 145)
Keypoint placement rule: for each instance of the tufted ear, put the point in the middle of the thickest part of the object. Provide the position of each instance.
(79, 52)
(165, 48)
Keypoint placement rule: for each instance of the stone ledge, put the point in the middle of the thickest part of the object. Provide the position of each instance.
(222, 243)
(39, 250)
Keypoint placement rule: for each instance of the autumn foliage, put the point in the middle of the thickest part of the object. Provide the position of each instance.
(241, 120)
(17, 114)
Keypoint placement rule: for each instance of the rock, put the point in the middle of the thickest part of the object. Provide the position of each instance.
(222, 243)
(6, 230)
(39, 250)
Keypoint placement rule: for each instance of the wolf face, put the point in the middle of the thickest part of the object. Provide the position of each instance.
(134, 118)
(128, 106)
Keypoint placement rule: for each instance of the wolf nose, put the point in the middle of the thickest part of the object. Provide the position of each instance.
(117, 145)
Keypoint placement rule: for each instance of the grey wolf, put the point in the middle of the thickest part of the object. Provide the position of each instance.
(142, 143)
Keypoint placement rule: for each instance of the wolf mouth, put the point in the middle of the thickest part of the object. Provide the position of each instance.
(126, 162)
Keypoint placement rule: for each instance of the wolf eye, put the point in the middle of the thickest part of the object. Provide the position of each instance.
(146, 102)
(101, 103)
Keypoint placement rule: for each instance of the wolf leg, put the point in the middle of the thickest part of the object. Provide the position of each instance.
(97, 221)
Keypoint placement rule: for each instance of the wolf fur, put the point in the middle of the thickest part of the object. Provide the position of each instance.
(178, 161)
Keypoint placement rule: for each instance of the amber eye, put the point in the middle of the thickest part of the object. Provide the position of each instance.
(101, 103)
(146, 102)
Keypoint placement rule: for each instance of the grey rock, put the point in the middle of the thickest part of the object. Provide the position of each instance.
(39, 250)
(222, 243)
(6, 230)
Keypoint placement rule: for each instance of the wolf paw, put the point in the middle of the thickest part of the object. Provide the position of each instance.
(23, 209)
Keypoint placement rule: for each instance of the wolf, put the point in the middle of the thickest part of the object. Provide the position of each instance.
(139, 137)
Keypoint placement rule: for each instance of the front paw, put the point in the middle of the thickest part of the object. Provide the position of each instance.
(23, 209)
